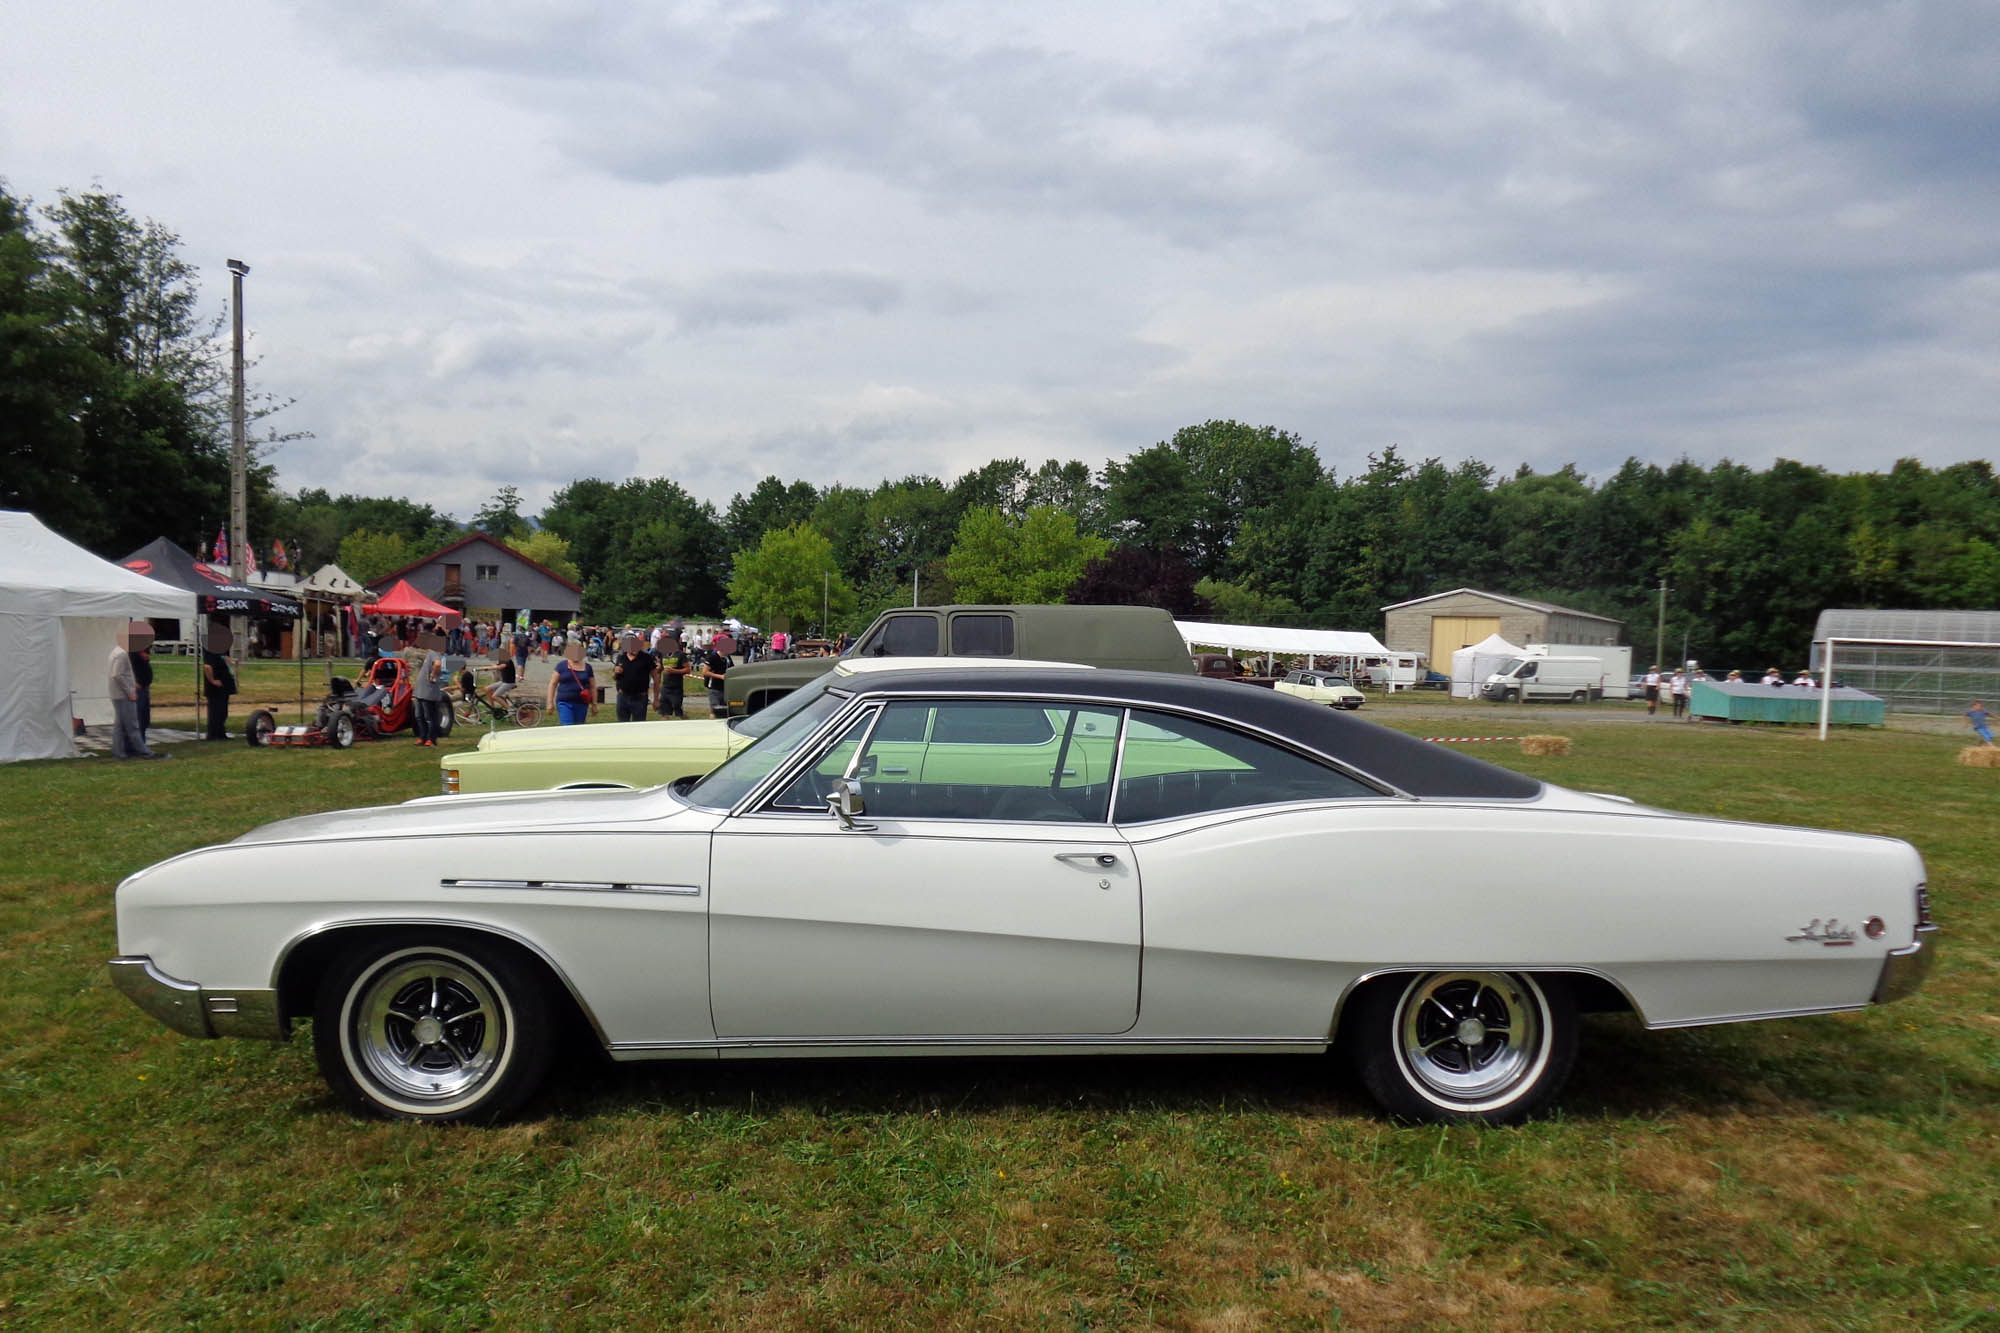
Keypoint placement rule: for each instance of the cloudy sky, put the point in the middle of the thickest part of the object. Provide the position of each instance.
(525, 241)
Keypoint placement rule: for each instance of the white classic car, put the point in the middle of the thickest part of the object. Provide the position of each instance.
(1321, 687)
(931, 862)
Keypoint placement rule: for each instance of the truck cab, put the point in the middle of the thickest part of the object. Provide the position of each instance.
(1139, 638)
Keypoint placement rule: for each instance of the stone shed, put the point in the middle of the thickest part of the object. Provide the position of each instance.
(1442, 623)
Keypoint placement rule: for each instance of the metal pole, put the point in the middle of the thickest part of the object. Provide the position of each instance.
(825, 596)
(1660, 639)
(916, 583)
(1826, 688)
(239, 454)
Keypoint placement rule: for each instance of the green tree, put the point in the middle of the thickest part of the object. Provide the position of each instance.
(549, 551)
(500, 518)
(790, 576)
(1234, 604)
(770, 504)
(1033, 560)
(45, 372)
(368, 556)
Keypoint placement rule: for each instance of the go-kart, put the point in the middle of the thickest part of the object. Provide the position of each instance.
(342, 718)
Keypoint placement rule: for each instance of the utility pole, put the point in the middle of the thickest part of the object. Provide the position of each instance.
(825, 598)
(916, 582)
(1660, 641)
(239, 456)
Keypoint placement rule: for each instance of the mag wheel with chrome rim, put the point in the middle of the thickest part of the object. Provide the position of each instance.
(418, 1030)
(1492, 1047)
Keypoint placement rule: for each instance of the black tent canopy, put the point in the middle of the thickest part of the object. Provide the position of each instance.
(161, 559)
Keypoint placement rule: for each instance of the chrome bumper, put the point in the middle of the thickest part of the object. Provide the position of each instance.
(1904, 970)
(192, 1011)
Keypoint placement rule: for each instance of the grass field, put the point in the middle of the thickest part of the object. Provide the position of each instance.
(1830, 1173)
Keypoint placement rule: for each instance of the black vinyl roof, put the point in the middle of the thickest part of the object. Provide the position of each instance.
(1417, 767)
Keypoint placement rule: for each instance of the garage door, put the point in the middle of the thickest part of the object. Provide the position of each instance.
(1451, 633)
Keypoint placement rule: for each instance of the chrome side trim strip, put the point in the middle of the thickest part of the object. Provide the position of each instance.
(970, 1043)
(574, 886)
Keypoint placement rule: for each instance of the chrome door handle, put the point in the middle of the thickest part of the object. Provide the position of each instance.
(1096, 858)
(896, 768)
(1067, 772)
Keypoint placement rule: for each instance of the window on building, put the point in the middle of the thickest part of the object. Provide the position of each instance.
(486, 573)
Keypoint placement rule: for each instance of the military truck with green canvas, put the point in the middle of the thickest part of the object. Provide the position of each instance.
(1141, 638)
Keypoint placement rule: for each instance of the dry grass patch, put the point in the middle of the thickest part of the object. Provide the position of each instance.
(1980, 756)
(1544, 746)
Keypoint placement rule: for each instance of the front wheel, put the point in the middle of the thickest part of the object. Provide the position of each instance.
(528, 713)
(1464, 1047)
(413, 1029)
(342, 730)
(1581, 696)
(259, 728)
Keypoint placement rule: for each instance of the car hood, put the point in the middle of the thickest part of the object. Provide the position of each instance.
(697, 733)
(432, 816)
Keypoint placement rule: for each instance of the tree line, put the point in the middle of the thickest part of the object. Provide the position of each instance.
(114, 430)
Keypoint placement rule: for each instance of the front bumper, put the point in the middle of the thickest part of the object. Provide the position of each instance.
(1904, 970)
(194, 1011)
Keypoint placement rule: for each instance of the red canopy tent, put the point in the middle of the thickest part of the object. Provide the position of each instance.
(403, 600)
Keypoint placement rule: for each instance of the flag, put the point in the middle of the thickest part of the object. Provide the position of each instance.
(249, 559)
(521, 618)
(279, 560)
(220, 555)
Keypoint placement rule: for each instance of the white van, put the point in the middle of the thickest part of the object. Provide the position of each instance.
(1576, 679)
(1616, 660)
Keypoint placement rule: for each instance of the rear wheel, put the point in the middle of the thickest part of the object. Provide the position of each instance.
(444, 721)
(528, 713)
(1491, 1047)
(466, 711)
(341, 729)
(417, 1029)
(1581, 696)
(259, 728)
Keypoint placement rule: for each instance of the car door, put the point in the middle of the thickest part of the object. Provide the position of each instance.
(995, 903)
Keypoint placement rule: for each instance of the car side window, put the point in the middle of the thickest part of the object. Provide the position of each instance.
(1180, 766)
(809, 790)
(982, 636)
(989, 759)
(903, 636)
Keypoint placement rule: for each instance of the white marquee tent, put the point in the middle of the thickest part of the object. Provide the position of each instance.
(1471, 666)
(61, 609)
(1311, 643)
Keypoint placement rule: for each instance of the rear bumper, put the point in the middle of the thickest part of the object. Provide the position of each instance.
(1904, 970)
(193, 1011)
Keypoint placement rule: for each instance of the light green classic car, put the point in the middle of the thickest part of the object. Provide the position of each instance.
(645, 754)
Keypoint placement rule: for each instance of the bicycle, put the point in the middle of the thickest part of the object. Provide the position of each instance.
(473, 708)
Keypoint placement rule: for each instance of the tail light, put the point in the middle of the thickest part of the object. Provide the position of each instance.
(1924, 921)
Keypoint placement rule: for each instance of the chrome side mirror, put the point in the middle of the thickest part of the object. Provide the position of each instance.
(845, 803)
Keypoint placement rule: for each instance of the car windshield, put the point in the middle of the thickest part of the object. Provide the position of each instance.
(765, 722)
(724, 787)
(1513, 664)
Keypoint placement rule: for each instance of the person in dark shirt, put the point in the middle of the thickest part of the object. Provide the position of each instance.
(142, 672)
(674, 671)
(714, 667)
(633, 675)
(218, 681)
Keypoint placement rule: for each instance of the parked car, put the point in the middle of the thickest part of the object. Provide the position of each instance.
(1576, 679)
(1223, 666)
(929, 862)
(1321, 687)
(645, 754)
(1141, 638)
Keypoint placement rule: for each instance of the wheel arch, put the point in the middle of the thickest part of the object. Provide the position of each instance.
(1595, 992)
(306, 960)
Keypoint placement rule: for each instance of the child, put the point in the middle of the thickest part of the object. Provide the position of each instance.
(1978, 715)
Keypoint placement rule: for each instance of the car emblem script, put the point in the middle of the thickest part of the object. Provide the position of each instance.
(1828, 932)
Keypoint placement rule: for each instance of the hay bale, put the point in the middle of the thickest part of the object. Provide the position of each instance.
(1555, 745)
(1980, 756)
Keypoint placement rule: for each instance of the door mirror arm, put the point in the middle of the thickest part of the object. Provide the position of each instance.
(845, 802)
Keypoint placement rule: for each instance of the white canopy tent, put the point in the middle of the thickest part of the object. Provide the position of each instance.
(1311, 644)
(61, 609)
(1471, 666)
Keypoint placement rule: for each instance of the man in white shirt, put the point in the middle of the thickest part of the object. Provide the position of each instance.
(1652, 689)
